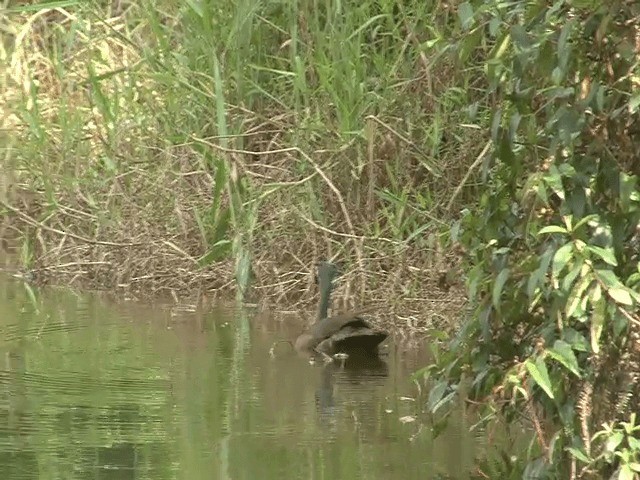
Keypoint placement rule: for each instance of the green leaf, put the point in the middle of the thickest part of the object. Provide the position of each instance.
(570, 277)
(539, 275)
(627, 190)
(219, 251)
(634, 103)
(43, 5)
(579, 454)
(597, 323)
(542, 193)
(575, 297)
(540, 375)
(614, 440)
(244, 272)
(498, 285)
(220, 228)
(552, 229)
(196, 7)
(576, 339)
(563, 353)
(446, 400)
(634, 443)
(494, 25)
(503, 46)
(435, 395)
(626, 473)
(615, 288)
(630, 426)
(584, 220)
(505, 150)
(605, 254)
(32, 297)
(560, 92)
(608, 278)
(564, 46)
(469, 44)
(520, 36)
(561, 258)
(553, 180)
(220, 180)
(465, 13)
(621, 295)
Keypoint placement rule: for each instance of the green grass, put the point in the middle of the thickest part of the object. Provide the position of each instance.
(240, 140)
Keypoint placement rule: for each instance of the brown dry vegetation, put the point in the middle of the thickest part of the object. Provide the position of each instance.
(99, 194)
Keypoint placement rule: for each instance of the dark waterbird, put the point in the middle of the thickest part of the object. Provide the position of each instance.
(346, 333)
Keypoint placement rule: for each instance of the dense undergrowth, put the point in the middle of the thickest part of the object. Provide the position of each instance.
(203, 146)
(554, 246)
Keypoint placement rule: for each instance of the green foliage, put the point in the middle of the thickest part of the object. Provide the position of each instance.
(554, 243)
(621, 447)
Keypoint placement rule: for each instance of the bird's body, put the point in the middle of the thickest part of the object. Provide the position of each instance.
(346, 333)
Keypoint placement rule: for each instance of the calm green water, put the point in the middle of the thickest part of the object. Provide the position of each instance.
(98, 390)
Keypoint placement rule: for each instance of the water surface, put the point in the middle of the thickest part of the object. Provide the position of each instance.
(102, 390)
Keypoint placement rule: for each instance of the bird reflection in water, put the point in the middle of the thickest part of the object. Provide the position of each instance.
(356, 374)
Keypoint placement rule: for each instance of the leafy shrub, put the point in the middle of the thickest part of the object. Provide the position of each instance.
(554, 243)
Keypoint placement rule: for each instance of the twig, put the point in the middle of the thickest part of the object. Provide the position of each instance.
(629, 316)
(405, 140)
(68, 264)
(31, 221)
(181, 251)
(462, 183)
(315, 166)
(348, 235)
